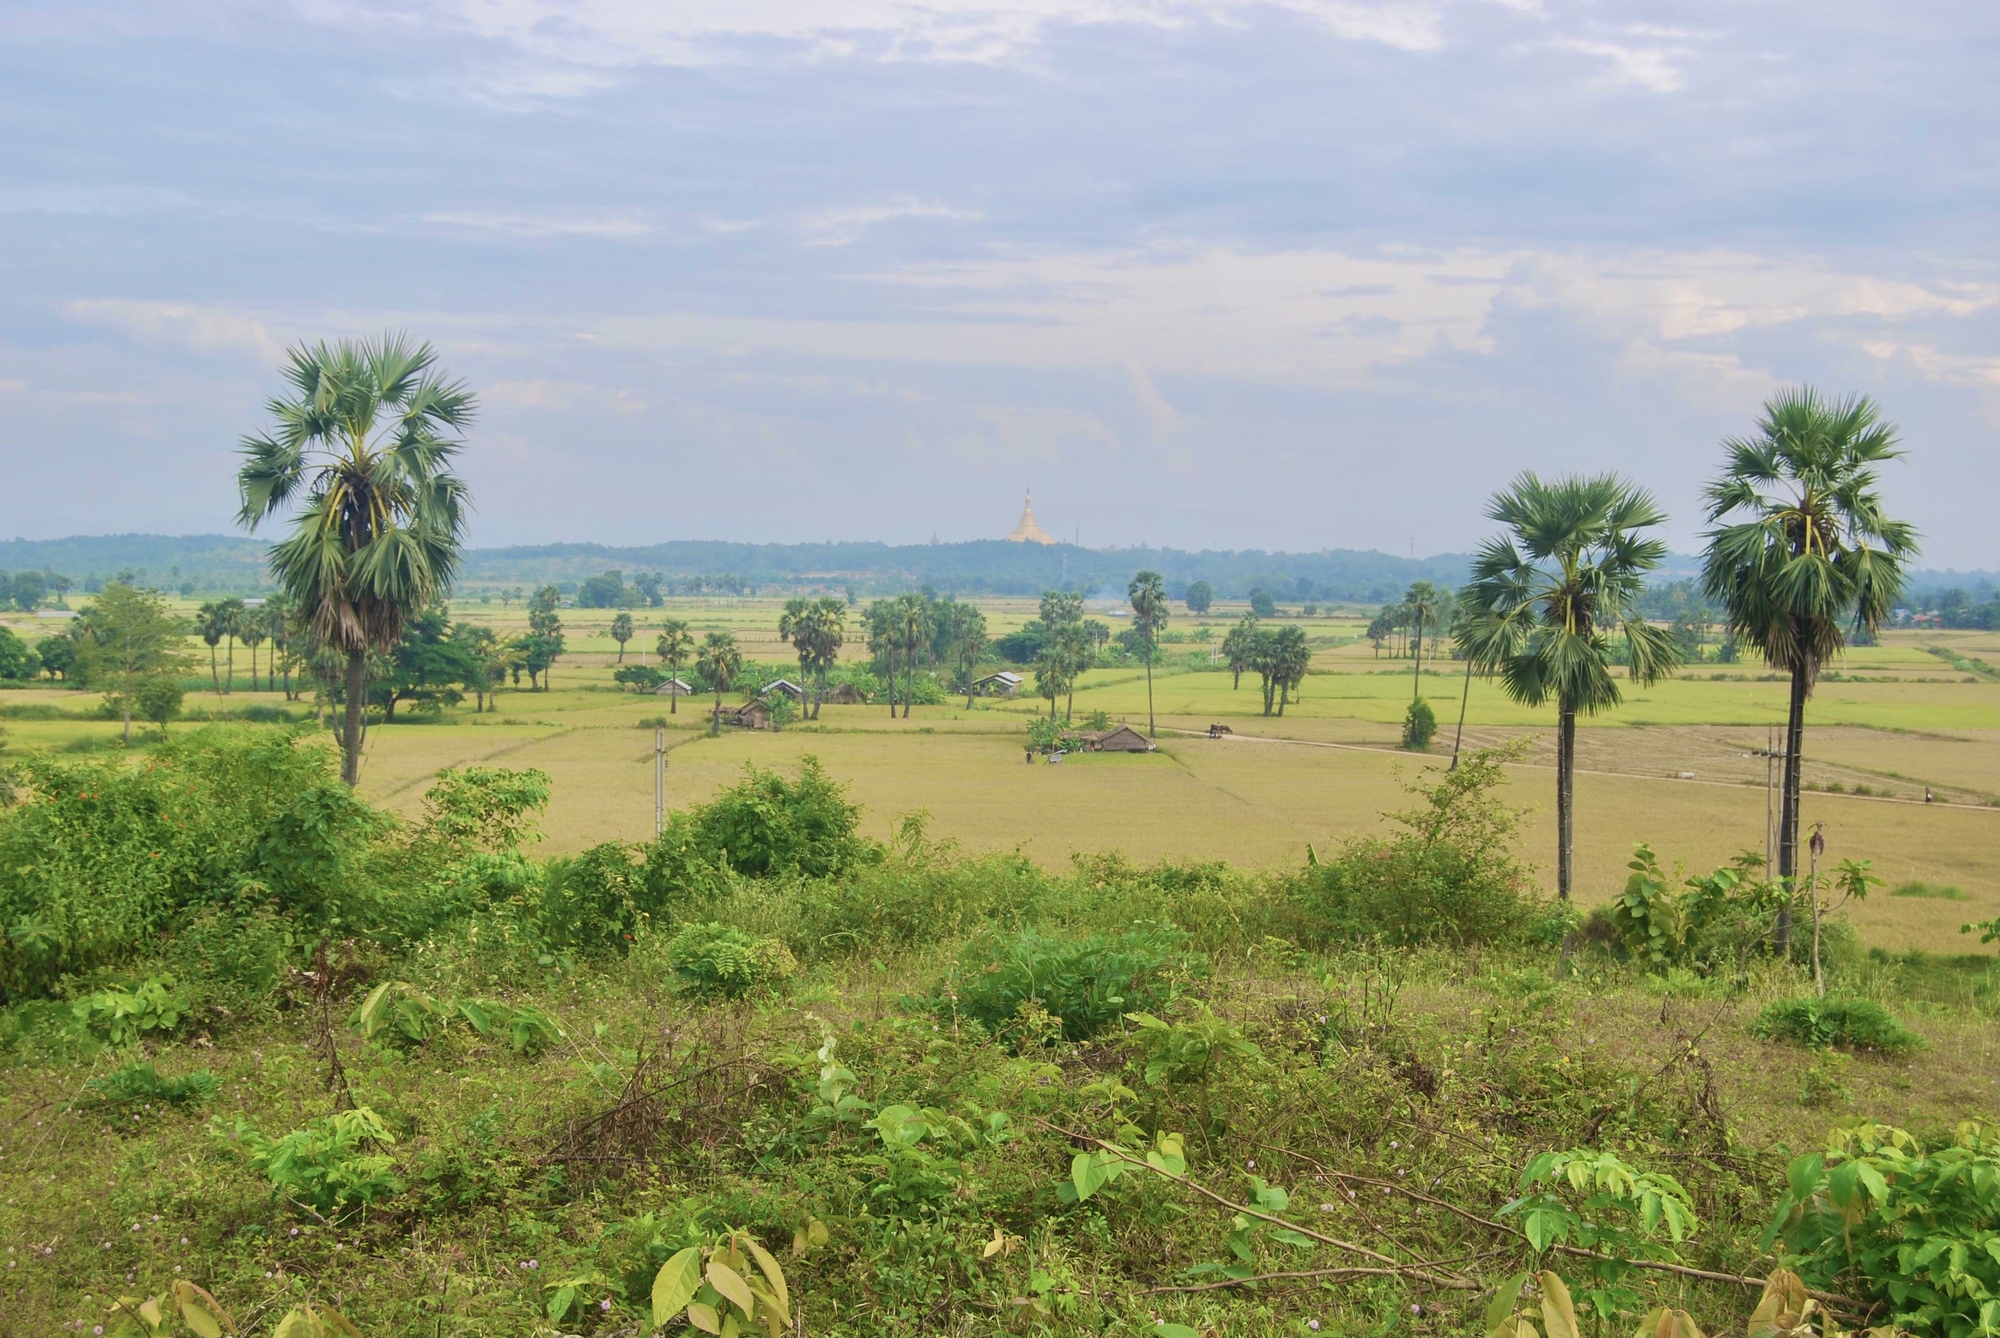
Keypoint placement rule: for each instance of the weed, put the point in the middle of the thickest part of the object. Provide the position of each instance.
(1930, 891)
(140, 1081)
(327, 1164)
(122, 1016)
(716, 960)
(1859, 1024)
(1086, 984)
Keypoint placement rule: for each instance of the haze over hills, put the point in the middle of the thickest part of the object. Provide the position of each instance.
(224, 562)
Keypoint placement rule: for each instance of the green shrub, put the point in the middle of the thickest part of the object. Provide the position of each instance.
(719, 960)
(1420, 726)
(527, 1029)
(121, 1016)
(766, 825)
(1856, 1024)
(1087, 983)
(327, 1165)
(140, 1081)
(396, 1013)
(1930, 891)
(1908, 1225)
(1449, 876)
(589, 903)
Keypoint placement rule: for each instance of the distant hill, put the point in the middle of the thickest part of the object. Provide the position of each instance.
(219, 563)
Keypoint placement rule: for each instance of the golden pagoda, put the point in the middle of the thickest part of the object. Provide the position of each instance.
(1029, 531)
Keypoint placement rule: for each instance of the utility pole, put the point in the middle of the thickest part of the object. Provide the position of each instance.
(1770, 752)
(659, 780)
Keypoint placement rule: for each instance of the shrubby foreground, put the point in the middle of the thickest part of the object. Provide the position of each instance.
(266, 1039)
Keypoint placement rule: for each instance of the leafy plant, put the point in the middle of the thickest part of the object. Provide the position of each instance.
(139, 1081)
(720, 1292)
(718, 960)
(151, 1317)
(326, 1165)
(1506, 1313)
(1087, 984)
(527, 1029)
(1420, 726)
(398, 1013)
(1188, 1049)
(1597, 1202)
(1859, 1024)
(1915, 1227)
(122, 1016)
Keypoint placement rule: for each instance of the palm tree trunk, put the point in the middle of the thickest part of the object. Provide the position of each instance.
(232, 665)
(1463, 699)
(674, 692)
(214, 671)
(350, 737)
(1417, 669)
(1788, 820)
(1152, 731)
(1565, 797)
(715, 720)
(889, 660)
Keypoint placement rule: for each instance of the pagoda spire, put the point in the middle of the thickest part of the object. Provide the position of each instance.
(1029, 531)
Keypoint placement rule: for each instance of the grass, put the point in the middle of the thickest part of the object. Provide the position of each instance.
(1930, 892)
(1245, 801)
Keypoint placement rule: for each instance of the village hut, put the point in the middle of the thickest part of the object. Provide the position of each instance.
(846, 694)
(1121, 739)
(1003, 684)
(750, 715)
(784, 685)
(673, 687)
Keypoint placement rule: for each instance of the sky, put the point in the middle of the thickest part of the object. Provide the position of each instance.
(1201, 273)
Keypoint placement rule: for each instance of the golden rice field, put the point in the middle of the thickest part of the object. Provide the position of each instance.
(1671, 767)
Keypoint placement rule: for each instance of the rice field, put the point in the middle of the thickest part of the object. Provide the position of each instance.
(1675, 766)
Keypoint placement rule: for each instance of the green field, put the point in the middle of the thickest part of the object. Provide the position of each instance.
(1670, 767)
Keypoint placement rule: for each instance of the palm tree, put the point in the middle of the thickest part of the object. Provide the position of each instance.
(362, 448)
(1802, 551)
(1422, 600)
(1237, 647)
(277, 624)
(912, 626)
(1548, 597)
(1149, 615)
(621, 632)
(965, 633)
(250, 630)
(1291, 656)
(1463, 609)
(826, 632)
(673, 646)
(880, 620)
(719, 662)
(211, 624)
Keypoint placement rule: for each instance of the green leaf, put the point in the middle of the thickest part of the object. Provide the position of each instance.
(675, 1284)
(1502, 1304)
(1558, 1314)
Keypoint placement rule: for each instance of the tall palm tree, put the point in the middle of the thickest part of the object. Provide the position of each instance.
(1422, 600)
(1802, 551)
(211, 624)
(965, 633)
(1548, 597)
(673, 647)
(912, 629)
(880, 620)
(1463, 610)
(826, 624)
(1149, 615)
(361, 454)
(719, 662)
(621, 632)
(1237, 647)
(232, 610)
(250, 630)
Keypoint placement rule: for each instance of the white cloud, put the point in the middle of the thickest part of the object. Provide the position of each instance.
(837, 227)
(500, 223)
(204, 328)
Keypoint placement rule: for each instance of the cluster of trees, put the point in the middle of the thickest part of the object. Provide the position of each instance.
(1279, 657)
(920, 631)
(1956, 608)
(610, 590)
(31, 590)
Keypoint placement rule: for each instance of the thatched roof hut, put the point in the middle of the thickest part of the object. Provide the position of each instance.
(1119, 739)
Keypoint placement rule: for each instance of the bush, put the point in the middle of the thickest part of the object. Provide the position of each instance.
(139, 1081)
(717, 960)
(1086, 984)
(1420, 726)
(764, 826)
(326, 1165)
(1449, 876)
(1857, 1024)
(121, 1016)
(589, 903)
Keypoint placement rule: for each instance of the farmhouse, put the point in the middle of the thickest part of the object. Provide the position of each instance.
(784, 685)
(1002, 684)
(846, 694)
(750, 715)
(1120, 739)
(673, 687)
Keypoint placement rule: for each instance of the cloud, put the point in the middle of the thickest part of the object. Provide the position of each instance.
(838, 227)
(505, 224)
(202, 328)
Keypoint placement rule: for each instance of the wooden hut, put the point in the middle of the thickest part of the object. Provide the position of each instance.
(1003, 684)
(1119, 739)
(784, 685)
(673, 687)
(750, 715)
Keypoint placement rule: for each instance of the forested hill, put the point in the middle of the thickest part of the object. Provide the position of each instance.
(992, 566)
(216, 563)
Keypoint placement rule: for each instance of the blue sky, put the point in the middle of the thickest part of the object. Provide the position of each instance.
(1206, 273)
